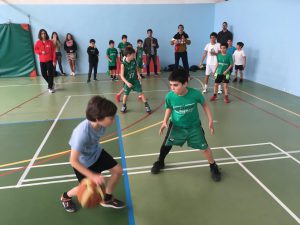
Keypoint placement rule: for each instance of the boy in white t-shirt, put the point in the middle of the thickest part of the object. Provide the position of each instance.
(239, 60)
(211, 50)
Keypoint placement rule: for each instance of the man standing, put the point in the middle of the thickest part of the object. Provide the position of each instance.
(224, 35)
(150, 48)
(181, 40)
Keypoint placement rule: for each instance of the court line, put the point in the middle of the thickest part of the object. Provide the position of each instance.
(126, 179)
(42, 144)
(113, 93)
(146, 172)
(286, 153)
(263, 186)
(259, 98)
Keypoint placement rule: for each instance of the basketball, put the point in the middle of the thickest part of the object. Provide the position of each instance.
(89, 194)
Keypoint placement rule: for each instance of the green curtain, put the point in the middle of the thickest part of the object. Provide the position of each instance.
(16, 51)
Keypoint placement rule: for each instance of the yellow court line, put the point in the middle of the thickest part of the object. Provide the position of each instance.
(64, 152)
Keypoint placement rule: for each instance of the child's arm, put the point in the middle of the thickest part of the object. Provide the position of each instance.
(226, 71)
(138, 74)
(202, 59)
(209, 117)
(123, 78)
(165, 121)
(216, 68)
(244, 62)
(108, 58)
(97, 178)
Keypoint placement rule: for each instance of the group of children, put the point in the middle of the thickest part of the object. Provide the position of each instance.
(219, 63)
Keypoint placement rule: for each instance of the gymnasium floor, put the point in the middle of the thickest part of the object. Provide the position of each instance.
(256, 145)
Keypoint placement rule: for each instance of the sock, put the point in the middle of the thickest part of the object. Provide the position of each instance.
(124, 105)
(212, 164)
(164, 151)
(107, 197)
(65, 195)
(205, 86)
(219, 87)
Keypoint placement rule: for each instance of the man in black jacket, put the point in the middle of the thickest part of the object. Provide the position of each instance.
(224, 35)
(150, 48)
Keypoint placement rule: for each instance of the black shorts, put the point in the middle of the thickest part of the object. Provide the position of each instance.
(112, 67)
(239, 67)
(104, 162)
(221, 78)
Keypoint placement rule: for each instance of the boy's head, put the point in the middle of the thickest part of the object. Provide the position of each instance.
(213, 37)
(178, 80)
(239, 45)
(111, 43)
(149, 32)
(139, 42)
(92, 42)
(124, 38)
(101, 111)
(129, 52)
(180, 28)
(223, 47)
(229, 42)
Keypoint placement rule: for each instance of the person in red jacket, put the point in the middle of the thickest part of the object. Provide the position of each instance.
(46, 51)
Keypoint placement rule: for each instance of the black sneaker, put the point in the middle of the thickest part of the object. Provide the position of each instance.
(123, 109)
(68, 204)
(148, 109)
(215, 173)
(142, 76)
(113, 203)
(157, 166)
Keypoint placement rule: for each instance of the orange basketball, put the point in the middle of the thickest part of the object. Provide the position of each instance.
(89, 194)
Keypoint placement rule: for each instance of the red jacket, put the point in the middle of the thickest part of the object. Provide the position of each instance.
(46, 51)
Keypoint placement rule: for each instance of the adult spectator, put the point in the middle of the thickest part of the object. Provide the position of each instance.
(150, 48)
(224, 35)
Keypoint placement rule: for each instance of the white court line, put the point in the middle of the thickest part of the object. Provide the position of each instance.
(173, 166)
(42, 144)
(113, 93)
(264, 187)
(286, 153)
(254, 96)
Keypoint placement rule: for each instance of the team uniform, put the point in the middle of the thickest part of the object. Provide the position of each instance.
(239, 61)
(211, 60)
(121, 47)
(139, 57)
(224, 62)
(185, 124)
(130, 74)
(112, 54)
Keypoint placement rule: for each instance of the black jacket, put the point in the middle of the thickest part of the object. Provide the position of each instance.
(68, 48)
(147, 45)
(93, 54)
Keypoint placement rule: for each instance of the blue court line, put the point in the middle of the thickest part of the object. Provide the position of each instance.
(126, 179)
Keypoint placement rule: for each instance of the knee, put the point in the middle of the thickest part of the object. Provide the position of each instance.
(118, 170)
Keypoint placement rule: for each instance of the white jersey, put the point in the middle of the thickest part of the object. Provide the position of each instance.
(238, 57)
(212, 59)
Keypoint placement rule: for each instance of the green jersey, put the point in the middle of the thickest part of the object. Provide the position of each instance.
(224, 62)
(130, 72)
(112, 54)
(122, 47)
(184, 108)
(139, 55)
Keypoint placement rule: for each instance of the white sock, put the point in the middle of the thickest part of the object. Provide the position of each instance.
(219, 87)
(205, 86)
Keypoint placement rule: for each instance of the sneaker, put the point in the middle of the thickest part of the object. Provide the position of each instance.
(95, 79)
(113, 203)
(123, 109)
(157, 166)
(241, 81)
(220, 91)
(68, 204)
(116, 78)
(215, 173)
(148, 109)
(142, 76)
(234, 80)
(118, 98)
(63, 74)
(226, 99)
(51, 91)
(88, 81)
(204, 91)
(156, 74)
(213, 98)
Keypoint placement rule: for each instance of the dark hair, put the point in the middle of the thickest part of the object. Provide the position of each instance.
(68, 35)
(124, 36)
(179, 75)
(111, 42)
(92, 40)
(180, 25)
(213, 34)
(139, 40)
(98, 108)
(224, 44)
(40, 34)
(128, 51)
(149, 30)
(241, 44)
(229, 39)
(56, 35)
(225, 23)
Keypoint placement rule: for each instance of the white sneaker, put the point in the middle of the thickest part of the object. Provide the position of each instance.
(220, 91)
(51, 91)
(204, 91)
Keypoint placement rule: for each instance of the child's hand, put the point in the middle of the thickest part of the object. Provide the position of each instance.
(139, 77)
(163, 126)
(97, 178)
(129, 85)
(211, 127)
(200, 66)
(43, 52)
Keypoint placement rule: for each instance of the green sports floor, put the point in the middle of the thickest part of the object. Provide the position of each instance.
(256, 144)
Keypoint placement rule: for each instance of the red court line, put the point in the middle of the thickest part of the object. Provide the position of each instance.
(266, 111)
(22, 103)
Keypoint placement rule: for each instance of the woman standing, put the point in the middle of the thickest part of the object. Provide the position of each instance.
(46, 51)
(57, 45)
(70, 47)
